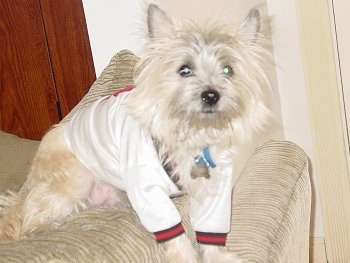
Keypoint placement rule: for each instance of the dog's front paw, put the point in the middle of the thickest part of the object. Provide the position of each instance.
(215, 254)
(180, 250)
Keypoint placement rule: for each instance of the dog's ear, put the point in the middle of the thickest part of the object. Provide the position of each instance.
(159, 24)
(250, 28)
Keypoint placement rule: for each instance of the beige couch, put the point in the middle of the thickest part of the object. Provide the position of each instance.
(271, 204)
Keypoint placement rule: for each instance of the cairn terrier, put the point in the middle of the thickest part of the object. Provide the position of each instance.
(199, 94)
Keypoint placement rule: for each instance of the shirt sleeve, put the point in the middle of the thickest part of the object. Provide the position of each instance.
(211, 209)
(147, 184)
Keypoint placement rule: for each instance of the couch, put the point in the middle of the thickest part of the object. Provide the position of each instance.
(270, 209)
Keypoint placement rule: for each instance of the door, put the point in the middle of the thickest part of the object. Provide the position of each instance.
(46, 64)
(27, 91)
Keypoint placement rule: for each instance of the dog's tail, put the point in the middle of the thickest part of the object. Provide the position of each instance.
(10, 218)
(6, 199)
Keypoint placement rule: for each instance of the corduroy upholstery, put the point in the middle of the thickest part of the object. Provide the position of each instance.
(271, 205)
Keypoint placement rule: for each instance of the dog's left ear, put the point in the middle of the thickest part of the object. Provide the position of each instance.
(159, 24)
(250, 28)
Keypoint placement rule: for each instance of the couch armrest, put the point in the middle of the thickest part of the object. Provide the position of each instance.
(118, 74)
(271, 206)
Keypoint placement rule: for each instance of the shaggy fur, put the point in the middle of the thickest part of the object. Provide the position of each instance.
(172, 110)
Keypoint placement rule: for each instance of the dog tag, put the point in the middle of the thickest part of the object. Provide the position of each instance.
(200, 170)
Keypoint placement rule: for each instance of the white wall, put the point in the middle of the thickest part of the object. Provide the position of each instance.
(112, 25)
(115, 24)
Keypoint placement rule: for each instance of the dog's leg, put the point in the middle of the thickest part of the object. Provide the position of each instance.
(180, 250)
(216, 254)
(106, 194)
(57, 185)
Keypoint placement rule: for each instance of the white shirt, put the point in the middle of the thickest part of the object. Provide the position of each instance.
(111, 144)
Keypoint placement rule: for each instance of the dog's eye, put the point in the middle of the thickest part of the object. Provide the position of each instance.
(185, 71)
(227, 70)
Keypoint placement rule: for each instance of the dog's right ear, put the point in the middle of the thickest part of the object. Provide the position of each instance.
(250, 28)
(159, 24)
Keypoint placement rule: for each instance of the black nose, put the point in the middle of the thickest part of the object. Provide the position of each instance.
(210, 97)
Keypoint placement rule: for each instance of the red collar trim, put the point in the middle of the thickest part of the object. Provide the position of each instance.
(127, 88)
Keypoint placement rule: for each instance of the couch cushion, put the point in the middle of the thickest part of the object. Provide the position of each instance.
(16, 155)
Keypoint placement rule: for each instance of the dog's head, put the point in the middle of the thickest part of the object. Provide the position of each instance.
(198, 84)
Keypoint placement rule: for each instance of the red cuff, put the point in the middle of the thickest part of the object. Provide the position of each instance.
(165, 235)
(218, 239)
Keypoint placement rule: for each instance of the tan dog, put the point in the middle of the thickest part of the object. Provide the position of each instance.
(198, 96)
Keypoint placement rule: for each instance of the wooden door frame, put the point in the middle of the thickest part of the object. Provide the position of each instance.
(309, 69)
(327, 123)
(341, 41)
